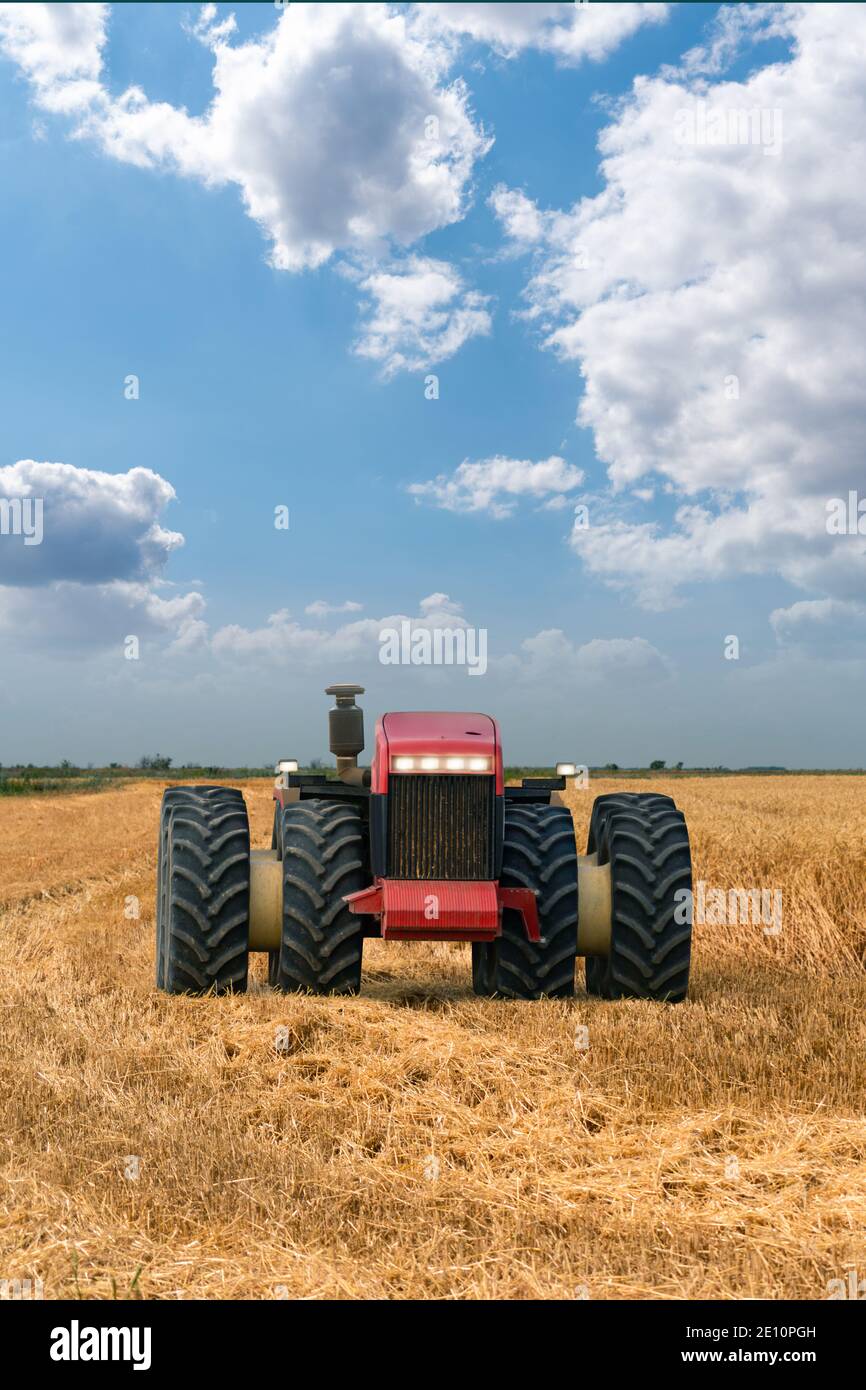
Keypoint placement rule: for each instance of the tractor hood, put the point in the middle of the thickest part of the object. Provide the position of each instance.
(435, 732)
(427, 732)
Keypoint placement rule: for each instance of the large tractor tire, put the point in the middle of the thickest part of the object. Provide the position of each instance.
(171, 797)
(643, 837)
(203, 891)
(613, 801)
(539, 853)
(323, 859)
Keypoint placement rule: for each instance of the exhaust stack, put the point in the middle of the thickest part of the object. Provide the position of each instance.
(346, 733)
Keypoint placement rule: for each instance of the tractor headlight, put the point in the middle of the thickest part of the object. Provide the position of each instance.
(287, 765)
(566, 769)
(435, 762)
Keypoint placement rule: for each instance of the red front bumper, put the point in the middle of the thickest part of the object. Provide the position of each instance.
(432, 910)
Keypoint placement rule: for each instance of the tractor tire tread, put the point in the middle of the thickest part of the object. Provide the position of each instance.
(322, 941)
(538, 853)
(203, 894)
(645, 840)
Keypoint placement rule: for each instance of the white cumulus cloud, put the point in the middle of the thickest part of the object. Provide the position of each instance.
(96, 526)
(554, 658)
(495, 485)
(712, 296)
(571, 31)
(829, 627)
(58, 48)
(419, 312)
(283, 640)
(320, 608)
(339, 126)
(96, 572)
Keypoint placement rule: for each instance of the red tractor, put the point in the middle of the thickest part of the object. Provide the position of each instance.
(427, 844)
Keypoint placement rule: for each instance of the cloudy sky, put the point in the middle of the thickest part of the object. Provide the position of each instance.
(544, 320)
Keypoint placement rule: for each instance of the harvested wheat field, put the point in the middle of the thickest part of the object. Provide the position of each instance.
(418, 1142)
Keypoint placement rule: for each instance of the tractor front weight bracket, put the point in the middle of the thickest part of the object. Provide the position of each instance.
(433, 911)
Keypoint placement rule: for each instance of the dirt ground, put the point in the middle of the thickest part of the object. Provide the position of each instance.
(419, 1142)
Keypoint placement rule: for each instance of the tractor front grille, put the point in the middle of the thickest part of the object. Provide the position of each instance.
(441, 827)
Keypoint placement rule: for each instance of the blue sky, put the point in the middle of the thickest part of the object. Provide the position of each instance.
(128, 249)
